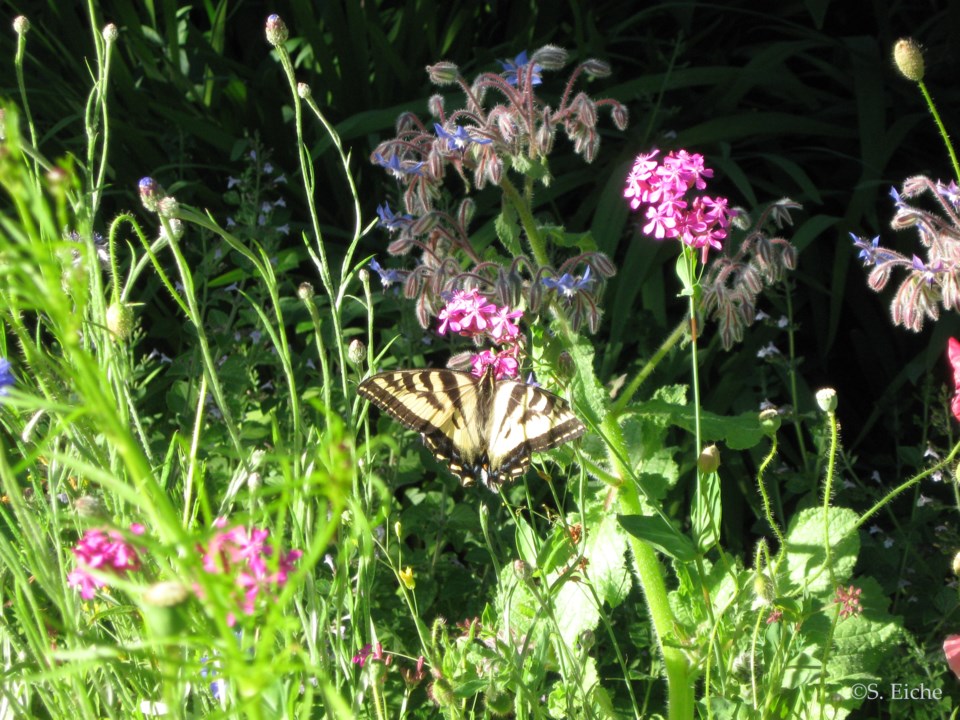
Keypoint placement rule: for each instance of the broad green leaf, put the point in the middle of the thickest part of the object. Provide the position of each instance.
(663, 536)
(806, 557)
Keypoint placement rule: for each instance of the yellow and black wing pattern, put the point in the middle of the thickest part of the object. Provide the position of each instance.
(484, 429)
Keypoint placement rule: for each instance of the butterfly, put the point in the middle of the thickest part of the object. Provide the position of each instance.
(483, 428)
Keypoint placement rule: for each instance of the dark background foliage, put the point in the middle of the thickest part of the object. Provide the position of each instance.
(796, 99)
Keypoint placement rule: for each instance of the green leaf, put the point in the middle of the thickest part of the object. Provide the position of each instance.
(806, 557)
(508, 229)
(738, 432)
(662, 535)
(707, 511)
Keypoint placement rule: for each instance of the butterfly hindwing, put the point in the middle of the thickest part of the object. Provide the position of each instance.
(483, 429)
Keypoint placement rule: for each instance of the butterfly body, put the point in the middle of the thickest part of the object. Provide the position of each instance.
(483, 428)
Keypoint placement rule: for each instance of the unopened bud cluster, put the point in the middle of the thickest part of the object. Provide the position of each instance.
(733, 282)
(503, 124)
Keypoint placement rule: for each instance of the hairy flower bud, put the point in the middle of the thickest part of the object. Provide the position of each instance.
(621, 117)
(304, 91)
(827, 399)
(120, 320)
(763, 589)
(356, 351)
(443, 73)
(956, 564)
(549, 57)
(908, 59)
(110, 33)
(305, 291)
(602, 265)
(435, 105)
(21, 25)
(709, 460)
(466, 211)
(769, 421)
(150, 193)
(277, 31)
(168, 207)
(596, 68)
(176, 229)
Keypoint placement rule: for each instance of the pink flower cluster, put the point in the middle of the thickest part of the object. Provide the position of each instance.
(245, 554)
(470, 314)
(106, 552)
(700, 222)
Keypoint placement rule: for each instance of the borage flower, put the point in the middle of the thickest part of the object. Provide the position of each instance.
(6, 376)
(515, 70)
(459, 140)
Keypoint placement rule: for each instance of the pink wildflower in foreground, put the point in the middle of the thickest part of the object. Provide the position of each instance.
(953, 354)
(374, 655)
(106, 552)
(850, 601)
(951, 648)
(700, 222)
(245, 555)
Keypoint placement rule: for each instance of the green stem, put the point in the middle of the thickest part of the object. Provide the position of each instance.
(940, 126)
(537, 245)
(794, 394)
(767, 511)
(634, 385)
(828, 486)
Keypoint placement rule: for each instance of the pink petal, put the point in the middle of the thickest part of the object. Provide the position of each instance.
(951, 648)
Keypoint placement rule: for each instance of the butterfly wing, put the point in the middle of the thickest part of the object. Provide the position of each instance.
(526, 419)
(439, 404)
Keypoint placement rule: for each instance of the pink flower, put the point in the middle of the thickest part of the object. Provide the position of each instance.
(466, 313)
(953, 354)
(700, 222)
(951, 648)
(504, 363)
(502, 327)
(849, 600)
(244, 554)
(105, 552)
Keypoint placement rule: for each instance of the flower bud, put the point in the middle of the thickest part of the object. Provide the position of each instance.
(176, 229)
(596, 68)
(150, 193)
(709, 460)
(956, 564)
(435, 105)
(304, 91)
(406, 577)
(769, 421)
(763, 589)
(110, 33)
(21, 25)
(161, 607)
(120, 320)
(168, 207)
(549, 57)
(620, 116)
(443, 73)
(827, 399)
(305, 291)
(356, 352)
(908, 59)
(277, 31)
(522, 570)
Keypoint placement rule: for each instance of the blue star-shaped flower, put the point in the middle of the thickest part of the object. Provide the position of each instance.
(387, 277)
(567, 285)
(459, 140)
(396, 168)
(390, 220)
(513, 70)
